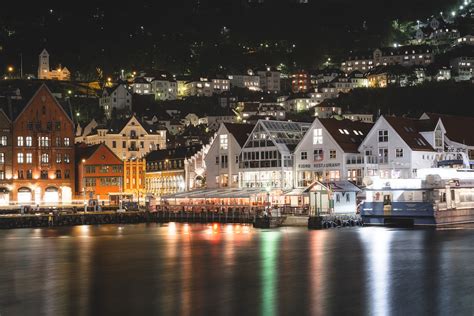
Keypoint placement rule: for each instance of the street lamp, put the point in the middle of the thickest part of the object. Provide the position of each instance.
(84, 183)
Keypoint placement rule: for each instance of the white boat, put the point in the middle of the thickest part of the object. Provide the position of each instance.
(438, 196)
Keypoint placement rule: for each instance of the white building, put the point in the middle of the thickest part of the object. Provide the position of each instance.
(366, 118)
(127, 138)
(141, 86)
(118, 97)
(299, 102)
(266, 159)
(222, 159)
(403, 145)
(164, 89)
(44, 72)
(269, 80)
(462, 68)
(329, 152)
(248, 81)
(465, 40)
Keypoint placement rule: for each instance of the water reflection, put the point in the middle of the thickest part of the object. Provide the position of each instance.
(377, 249)
(217, 269)
(269, 271)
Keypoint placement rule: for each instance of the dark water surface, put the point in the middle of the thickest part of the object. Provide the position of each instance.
(181, 269)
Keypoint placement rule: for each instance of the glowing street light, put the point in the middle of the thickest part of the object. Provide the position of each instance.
(10, 69)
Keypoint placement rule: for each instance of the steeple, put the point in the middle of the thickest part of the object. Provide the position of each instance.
(43, 65)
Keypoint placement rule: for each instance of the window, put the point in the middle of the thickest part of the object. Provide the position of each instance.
(318, 155)
(66, 174)
(44, 158)
(224, 162)
(58, 126)
(28, 141)
(3, 141)
(124, 144)
(49, 126)
(348, 197)
(20, 157)
(399, 152)
(217, 160)
(2, 175)
(58, 158)
(2, 157)
(19, 141)
(58, 174)
(29, 174)
(44, 174)
(383, 136)
(20, 174)
(66, 158)
(114, 144)
(30, 126)
(43, 141)
(223, 141)
(58, 141)
(29, 158)
(383, 155)
(304, 155)
(332, 154)
(438, 138)
(317, 136)
(142, 144)
(66, 141)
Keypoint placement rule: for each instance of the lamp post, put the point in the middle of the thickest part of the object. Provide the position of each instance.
(84, 183)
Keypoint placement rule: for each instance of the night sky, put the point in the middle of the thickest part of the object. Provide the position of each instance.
(86, 35)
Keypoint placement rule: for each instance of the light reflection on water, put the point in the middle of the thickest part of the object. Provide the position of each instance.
(233, 269)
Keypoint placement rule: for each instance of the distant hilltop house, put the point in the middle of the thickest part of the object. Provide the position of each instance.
(44, 71)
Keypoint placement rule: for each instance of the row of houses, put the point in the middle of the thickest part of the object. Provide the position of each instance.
(290, 155)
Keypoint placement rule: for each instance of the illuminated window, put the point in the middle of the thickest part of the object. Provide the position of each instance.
(20, 157)
(223, 141)
(29, 158)
(44, 158)
(66, 141)
(317, 136)
(28, 141)
(20, 141)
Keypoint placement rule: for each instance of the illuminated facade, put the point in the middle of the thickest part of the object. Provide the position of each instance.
(266, 159)
(118, 98)
(222, 159)
(45, 73)
(330, 152)
(99, 173)
(165, 172)
(134, 178)
(43, 151)
(127, 138)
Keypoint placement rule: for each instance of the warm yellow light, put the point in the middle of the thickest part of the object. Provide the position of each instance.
(10, 68)
(83, 160)
(109, 79)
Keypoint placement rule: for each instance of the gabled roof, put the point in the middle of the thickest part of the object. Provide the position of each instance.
(409, 130)
(84, 151)
(241, 132)
(346, 133)
(172, 153)
(458, 128)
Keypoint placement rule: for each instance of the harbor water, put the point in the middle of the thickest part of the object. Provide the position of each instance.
(234, 269)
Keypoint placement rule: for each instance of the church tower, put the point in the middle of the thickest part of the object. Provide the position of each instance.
(43, 65)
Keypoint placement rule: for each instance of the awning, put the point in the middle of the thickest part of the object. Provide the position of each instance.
(336, 186)
(296, 192)
(223, 193)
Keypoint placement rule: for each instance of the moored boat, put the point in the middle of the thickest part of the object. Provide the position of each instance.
(438, 196)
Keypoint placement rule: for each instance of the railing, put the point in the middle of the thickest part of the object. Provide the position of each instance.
(361, 160)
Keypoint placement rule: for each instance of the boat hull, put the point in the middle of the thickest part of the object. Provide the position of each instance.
(413, 214)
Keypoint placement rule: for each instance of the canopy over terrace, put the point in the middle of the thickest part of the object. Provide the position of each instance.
(222, 196)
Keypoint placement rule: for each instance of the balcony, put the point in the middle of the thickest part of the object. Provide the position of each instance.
(362, 160)
(133, 148)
